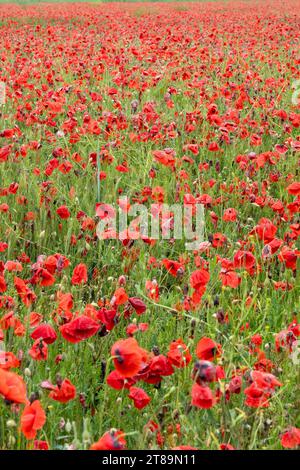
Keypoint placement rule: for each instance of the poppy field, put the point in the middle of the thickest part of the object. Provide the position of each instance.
(130, 342)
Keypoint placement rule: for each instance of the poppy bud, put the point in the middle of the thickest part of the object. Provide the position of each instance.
(86, 437)
(103, 371)
(220, 316)
(68, 426)
(34, 396)
(11, 423)
(180, 272)
(152, 173)
(134, 106)
(59, 380)
(82, 400)
(193, 326)
(122, 280)
(11, 441)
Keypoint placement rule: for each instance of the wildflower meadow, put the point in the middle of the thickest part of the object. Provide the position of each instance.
(149, 225)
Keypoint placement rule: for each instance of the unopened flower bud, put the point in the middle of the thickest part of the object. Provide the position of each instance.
(11, 423)
(68, 426)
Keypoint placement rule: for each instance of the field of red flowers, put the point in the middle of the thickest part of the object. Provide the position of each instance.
(139, 343)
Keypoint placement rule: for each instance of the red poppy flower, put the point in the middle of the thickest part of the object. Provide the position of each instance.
(264, 380)
(35, 319)
(128, 357)
(63, 212)
(230, 278)
(45, 332)
(12, 387)
(208, 350)
(40, 445)
(13, 266)
(158, 367)
(261, 389)
(119, 298)
(132, 328)
(118, 382)
(244, 259)
(294, 188)
(105, 211)
(224, 446)
(173, 267)
(79, 275)
(184, 447)
(139, 397)
(265, 230)
(152, 289)
(79, 329)
(109, 317)
(290, 439)
(3, 285)
(179, 355)
(63, 392)
(199, 279)
(65, 301)
(111, 440)
(42, 277)
(230, 215)
(138, 305)
(39, 350)
(165, 157)
(218, 240)
(26, 295)
(256, 397)
(289, 257)
(33, 418)
(3, 247)
(8, 360)
(202, 397)
(235, 385)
